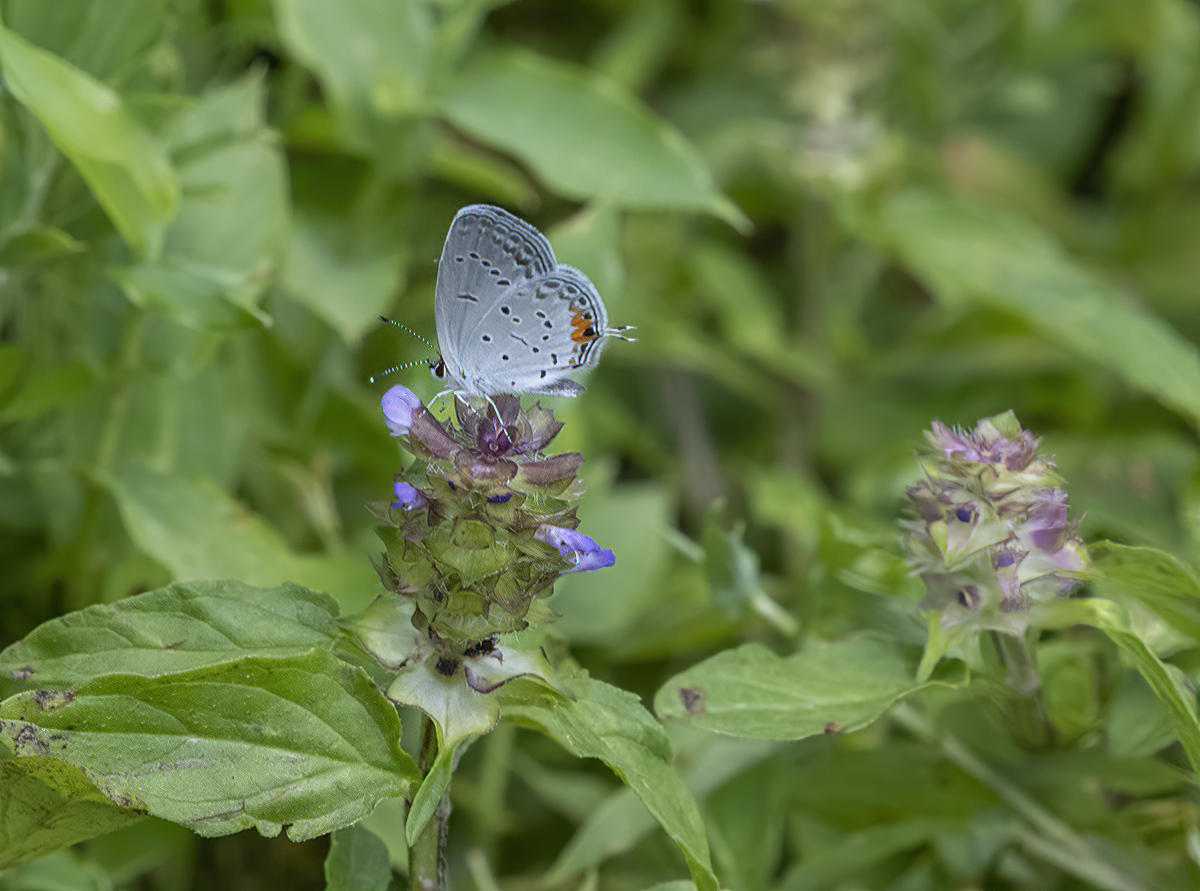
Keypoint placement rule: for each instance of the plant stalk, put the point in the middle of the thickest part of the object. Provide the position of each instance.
(427, 857)
(1031, 722)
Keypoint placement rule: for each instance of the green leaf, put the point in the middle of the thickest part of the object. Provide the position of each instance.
(459, 711)
(976, 255)
(307, 741)
(60, 871)
(37, 245)
(733, 574)
(99, 38)
(746, 820)
(610, 724)
(1137, 724)
(345, 280)
(1153, 578)
(126, 169)
(357, 861)
(583, 135)
(1169, 684)
(49, 390)
(195, 530)
(599, 608)
(856, 851)
(231, 230)
(182, 626)
(371, 57)
(618, 822)
(46, 805)
(429, 794)
(591, 241)
(826, 688)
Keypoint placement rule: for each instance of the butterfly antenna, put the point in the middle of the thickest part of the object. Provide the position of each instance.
(410, 331)
(403, 365)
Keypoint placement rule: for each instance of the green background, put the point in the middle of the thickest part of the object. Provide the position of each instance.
(831, 222)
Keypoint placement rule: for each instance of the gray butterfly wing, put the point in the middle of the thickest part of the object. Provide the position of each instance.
(535, 335)
(488, 254)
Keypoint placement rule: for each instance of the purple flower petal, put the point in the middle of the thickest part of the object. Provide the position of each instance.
(407, 497)
(1047, 525)
(576, 546)
(400, 405)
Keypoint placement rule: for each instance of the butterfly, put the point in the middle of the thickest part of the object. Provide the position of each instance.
(511, 318)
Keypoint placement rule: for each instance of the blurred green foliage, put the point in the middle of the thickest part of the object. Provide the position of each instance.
(831, 222)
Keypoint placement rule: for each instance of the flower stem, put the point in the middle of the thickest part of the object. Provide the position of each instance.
(1031, 723)
(427, 857)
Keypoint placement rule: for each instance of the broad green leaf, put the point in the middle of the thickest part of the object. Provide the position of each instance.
(371, 57)
(481, 172)
(187, 296)
(601, 607)
(857, 851)
(975, 255)
(1138, 724)
(1169, 684)
(582, 135)
(182, 626)
(357, 861)
(124, 166)
(1153, 578)
(229, 236)
(46, 805)
(49, 390)
(610, 724)
(36, 245)
(198, 532)
(591, 240)
(11, 359)
(60, 871)
(620, 821)
(304, 741)
(746, 821)
(829, 687)
(348, 281)
(856, 787)
(99, 38)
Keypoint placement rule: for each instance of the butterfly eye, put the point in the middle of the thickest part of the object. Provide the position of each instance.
(438, 370)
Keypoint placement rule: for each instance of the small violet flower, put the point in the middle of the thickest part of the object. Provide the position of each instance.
(400, 406)
(407, 497)
(586, 554)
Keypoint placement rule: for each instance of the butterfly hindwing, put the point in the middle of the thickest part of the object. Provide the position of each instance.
(533, 336)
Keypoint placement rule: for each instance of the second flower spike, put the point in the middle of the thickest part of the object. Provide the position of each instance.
(990, 535)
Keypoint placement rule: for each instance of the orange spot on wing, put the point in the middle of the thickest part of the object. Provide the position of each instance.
(582, 330)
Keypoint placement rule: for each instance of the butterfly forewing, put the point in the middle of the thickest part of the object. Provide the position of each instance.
(488, 253)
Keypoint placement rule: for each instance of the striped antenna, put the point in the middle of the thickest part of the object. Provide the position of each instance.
(388, 371)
